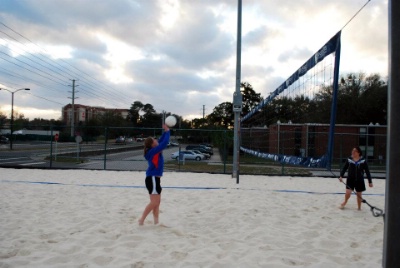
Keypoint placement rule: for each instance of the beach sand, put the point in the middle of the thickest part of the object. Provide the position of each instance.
(81, 218)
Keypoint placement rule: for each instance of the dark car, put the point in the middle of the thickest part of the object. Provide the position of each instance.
(209, 149)
(120, 140)
(206, 145)
(200, 148)
(4, 140)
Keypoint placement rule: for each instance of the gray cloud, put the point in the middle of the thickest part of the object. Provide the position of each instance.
(168, 74)
(295, 54)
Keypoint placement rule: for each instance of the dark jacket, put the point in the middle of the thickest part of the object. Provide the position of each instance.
(155, 158)
(356, 169)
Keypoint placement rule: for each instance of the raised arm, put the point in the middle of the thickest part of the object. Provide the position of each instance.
(162, 143)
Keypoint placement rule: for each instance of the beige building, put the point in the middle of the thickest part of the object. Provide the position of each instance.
(83, 113)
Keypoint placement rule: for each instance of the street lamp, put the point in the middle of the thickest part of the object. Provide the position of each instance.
(12, 111)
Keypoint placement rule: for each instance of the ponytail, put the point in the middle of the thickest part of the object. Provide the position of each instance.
(148, 142)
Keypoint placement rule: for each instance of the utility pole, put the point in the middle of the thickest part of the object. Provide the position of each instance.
(73, 108)
(204, 111)
(237, 97)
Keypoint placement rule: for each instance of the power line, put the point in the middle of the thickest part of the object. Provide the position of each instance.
(45, 99)
(26, 79)
(99, 85)
(28, 69)
(89, 87)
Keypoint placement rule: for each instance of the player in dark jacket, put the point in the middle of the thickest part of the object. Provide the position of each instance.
(153, 154)
(356, 166)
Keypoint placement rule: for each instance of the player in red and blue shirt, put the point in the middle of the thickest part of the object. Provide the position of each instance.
(153, 154)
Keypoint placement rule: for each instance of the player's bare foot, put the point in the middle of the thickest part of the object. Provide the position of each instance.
(155, 221)
(342, 206)
(141, 222)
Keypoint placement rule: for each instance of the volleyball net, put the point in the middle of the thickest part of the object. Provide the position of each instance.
(295, 123)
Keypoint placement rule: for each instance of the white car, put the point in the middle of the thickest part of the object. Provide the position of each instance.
(189, 155)
(173, 143)
(207, 156)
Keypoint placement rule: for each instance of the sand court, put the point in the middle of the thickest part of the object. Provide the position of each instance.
(81, 218)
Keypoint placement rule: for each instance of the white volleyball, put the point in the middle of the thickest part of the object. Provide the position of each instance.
(170, 121)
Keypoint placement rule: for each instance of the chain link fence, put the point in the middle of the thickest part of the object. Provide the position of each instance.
(121, 148)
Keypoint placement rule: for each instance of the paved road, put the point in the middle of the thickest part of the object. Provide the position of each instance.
(132, 160)
(34, 155)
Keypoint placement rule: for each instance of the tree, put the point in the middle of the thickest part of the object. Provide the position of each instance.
(134, 112)
(3, 119)
(144, 115)
(374, 100)
(93, 128)
(150, 118)
(114, 121)
(20, 122)
(222, 115)
(200, 122)
(250, 98)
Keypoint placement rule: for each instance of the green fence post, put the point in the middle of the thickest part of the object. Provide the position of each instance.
(51, 146)
(105, 147)
(283, 152)
(341, 152)
(366, 145)
(225, 155)
(179, 158)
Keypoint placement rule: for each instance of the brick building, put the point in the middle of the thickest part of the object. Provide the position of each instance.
(312, 139)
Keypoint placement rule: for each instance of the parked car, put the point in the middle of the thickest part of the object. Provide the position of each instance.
(139, 139)
(209, 149)
(4, 140)
(206, 155)
(200, 148)
(128, 140)
(189, 155)
(206, 145)
(173, 143)
(120, 140)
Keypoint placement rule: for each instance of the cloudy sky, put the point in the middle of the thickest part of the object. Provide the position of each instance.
(175, 54)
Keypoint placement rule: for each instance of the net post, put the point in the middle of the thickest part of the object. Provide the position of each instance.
(391, 245)
(105, 148)
(237, 96)
(334, 103)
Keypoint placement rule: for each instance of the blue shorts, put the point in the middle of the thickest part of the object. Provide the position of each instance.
(153, 185)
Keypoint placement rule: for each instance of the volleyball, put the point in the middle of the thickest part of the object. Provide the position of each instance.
(170, 121)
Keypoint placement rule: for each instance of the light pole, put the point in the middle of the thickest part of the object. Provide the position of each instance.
(12, 112)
